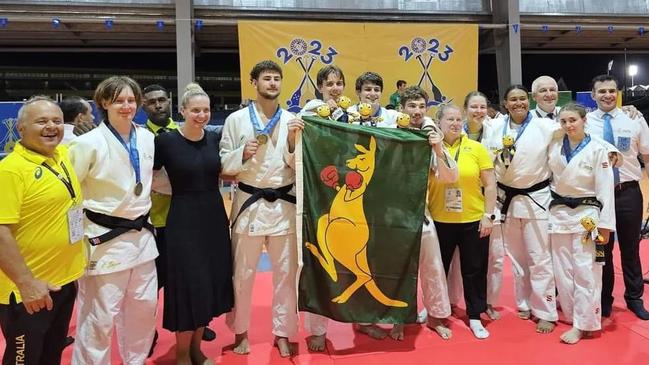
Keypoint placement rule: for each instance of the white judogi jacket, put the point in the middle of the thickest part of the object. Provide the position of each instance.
(588, 174)
(271, 167)
(389, 116)
(104, 170)
(529, 165)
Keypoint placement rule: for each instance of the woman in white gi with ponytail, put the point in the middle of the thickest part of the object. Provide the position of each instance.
(582, 195)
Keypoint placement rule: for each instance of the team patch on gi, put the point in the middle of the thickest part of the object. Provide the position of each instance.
(623, 143)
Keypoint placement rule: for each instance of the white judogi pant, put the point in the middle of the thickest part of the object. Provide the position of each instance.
(494, 270)
(282, 251)
(579, 280)
(128, 300)
(527, 245)
(431, 273)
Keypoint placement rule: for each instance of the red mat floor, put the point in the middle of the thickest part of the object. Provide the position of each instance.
(624, 340)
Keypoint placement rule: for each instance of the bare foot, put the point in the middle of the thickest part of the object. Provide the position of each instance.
(397, 332)
(241, 345)
(571, 336)
(492, 313)
(371, 330)
(525, 314)
(283, 346)
(544, 326)
(316, 343)
(437, 325)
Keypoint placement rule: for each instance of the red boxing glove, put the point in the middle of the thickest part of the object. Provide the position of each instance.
(353, 180)
(329, 176)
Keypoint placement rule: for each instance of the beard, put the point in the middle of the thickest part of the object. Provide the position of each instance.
(268, 96)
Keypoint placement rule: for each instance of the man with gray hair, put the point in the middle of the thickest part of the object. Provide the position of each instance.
(545, 93)
(40, 259)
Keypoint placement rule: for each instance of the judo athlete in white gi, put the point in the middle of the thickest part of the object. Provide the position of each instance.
(331, 84)
(257, 148)
(114, 164)
(369, 87)
(631, 137)
(523, 192)
(477, 126)
(414, 102)
(582, 188)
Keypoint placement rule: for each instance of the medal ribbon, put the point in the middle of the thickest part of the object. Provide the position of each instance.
(466, 130)
(271, 123)
(566, 147)
(133, 153)
(521, 129)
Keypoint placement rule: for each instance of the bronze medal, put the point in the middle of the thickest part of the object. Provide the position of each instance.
(138, 188)
(262, 138)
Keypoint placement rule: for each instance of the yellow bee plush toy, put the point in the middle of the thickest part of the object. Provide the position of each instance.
(590, 226)
(403, 120)
(508, 151)
(365, 110)
(508, 141)
(323, 111)
(344, 102)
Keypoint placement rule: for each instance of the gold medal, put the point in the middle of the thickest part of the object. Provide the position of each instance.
(138, 188)
(262, 138)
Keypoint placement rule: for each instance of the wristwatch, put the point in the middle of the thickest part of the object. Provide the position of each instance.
(491, 217)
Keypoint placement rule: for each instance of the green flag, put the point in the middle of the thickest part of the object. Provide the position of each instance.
(361, 201)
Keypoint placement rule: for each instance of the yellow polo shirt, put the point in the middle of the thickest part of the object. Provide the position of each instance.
(160, 203)
(35, 206)
(473, 157)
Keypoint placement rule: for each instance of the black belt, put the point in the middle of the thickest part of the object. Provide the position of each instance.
(117, 225)
(625, 185)
(510, 193)
(574, 202)
(268, 194)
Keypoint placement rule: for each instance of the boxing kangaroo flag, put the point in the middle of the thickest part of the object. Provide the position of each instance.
(361, 201)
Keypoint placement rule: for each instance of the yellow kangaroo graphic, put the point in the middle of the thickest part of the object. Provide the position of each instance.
(343, 233)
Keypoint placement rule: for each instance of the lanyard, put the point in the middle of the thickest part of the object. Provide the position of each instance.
(271, 123)
(457, 153)
(67, 183)
(526, 122)
(133, 153)
(466, 130)
(566, 147)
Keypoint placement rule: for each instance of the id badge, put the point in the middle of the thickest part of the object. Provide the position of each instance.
(75, 224)
(453, 200)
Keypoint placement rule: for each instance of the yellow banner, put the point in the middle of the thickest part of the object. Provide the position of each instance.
(441, 58)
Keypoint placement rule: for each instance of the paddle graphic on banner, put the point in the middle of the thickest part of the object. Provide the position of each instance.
(441, 58)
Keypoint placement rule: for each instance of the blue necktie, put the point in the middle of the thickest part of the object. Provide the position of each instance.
(608, 137)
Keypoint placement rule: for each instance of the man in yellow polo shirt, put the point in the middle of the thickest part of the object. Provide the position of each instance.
(41, 231)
